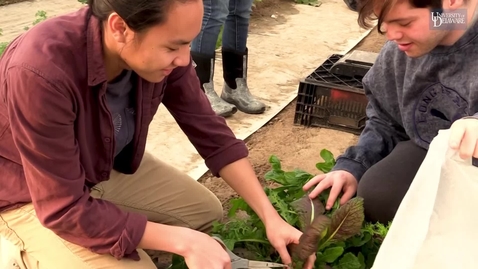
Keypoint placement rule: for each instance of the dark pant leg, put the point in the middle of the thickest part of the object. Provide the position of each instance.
(236, 28)
(385, 184)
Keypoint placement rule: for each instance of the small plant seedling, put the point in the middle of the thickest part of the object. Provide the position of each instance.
(3, 46)
(40, 16)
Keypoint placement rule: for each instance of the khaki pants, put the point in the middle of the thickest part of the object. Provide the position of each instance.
(161, 192)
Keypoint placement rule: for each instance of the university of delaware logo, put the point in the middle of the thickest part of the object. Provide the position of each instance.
(448, 19)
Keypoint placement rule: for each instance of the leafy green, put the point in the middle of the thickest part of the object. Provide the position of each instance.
(329, 161)
(307, 209)
(330, 255)
(3, 46)
(321, 230)
(339, 236)
(310, 238)
(349, 261)
(346, 221)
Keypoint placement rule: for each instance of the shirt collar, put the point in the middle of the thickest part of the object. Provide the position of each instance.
(94, 45)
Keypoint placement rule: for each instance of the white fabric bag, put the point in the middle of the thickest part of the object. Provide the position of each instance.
(436, 225)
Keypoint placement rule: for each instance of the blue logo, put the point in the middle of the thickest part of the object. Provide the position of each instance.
(437, 108)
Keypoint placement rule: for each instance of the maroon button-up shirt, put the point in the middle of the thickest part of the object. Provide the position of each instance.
(57, 137)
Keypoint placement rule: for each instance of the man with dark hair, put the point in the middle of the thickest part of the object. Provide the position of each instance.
(422, 81)
(74, 170)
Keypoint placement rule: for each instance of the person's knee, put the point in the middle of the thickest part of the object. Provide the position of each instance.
(215, 210)
(212, 212)
(380, 203)
(385, 184)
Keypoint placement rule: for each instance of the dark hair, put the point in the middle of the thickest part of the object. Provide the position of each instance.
(138, 14)
(366, 10)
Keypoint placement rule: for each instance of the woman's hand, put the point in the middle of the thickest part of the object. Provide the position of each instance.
(281, 234)
(339, 181)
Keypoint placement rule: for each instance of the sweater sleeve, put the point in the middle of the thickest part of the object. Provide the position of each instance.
(208, 132)
(42, 118)
(382, 132)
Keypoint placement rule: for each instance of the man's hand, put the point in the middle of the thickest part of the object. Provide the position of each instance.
(464, 137)
(199, 249)
(203, 251)
(340, 181)
(281, 234)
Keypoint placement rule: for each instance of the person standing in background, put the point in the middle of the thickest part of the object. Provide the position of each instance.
(234, 15)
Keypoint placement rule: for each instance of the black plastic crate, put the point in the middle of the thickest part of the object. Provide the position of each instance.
(331, 101)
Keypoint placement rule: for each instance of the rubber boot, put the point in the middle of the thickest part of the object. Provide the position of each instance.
(205, 73)
(235, 90)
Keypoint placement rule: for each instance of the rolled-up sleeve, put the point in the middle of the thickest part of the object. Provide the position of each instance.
(208, 132)
(42, 118)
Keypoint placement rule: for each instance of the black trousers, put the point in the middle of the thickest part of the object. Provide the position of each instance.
(385, 184)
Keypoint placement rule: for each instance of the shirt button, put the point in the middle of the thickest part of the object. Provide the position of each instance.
(104, 174)
(107, 140)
